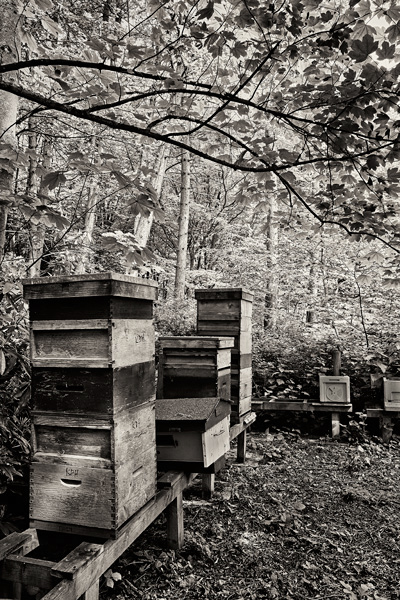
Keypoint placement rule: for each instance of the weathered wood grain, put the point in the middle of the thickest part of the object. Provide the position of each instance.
(85, 390)
(96, 284)
(22, 542)
(224, 294)
(102, 307)
(72, 495)
(196, 342)
(28, 571)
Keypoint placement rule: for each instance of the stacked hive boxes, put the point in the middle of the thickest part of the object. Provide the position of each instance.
(194, 386)
(227, 312)
(93, 391)
(193, 367)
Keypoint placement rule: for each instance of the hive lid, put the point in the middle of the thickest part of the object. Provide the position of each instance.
(187, 409)
(197, 342)
(238, 293)
(90, 284)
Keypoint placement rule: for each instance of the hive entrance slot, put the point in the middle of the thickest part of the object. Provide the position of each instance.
(71, 482)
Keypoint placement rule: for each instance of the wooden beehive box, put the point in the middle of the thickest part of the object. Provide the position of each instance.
(391, 394)
(93, 391)
(334, 389)
(228, 312)
(92, 342)
(195, 367)
(192, 433)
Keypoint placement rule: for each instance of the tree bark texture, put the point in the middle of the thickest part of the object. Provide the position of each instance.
(9, 52)
(144, 223)
(38, 230)
(90, 217)
(180, 276)
(271, 292)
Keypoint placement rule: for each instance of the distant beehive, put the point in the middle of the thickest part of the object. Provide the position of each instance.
(227, 312)
(192, 433)
(93, 382)
(334, 389)
(391, 394)
(191, 367)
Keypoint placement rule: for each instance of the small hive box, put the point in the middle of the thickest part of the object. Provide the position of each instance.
(391, 394)
(192, 433)
(334, 389)
(228, 312)
(93, 393)
(192, 367)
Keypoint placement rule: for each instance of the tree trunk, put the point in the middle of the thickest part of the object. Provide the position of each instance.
(143, 223)
(180, 276)
(9, 52)
(38, 231)
(90, 218)
(271, 293)
(312, 291)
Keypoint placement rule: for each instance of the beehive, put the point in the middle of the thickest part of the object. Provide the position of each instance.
(334, 389)
(391, 394)
(195, 367)
(228, 312)
(93, 382)
(192, 433)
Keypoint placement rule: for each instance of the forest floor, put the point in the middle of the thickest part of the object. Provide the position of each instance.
(304, 518)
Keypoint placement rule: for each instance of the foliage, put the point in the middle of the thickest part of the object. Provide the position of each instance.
(15, 394)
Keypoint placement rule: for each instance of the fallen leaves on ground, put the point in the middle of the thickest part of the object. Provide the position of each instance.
(302, 519)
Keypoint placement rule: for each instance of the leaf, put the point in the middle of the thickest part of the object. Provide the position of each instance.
(51, 26)
(239, 50)
(29, 40)
(393, 32)
(121, 178)
(52, 180)
(386, 51)
(44, 4)
(360, 50)
(207, 12)
(364, 279)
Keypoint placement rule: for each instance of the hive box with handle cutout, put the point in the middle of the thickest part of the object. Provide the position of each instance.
(93, 381)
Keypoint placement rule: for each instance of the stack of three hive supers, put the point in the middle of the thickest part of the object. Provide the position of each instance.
(93, 395)
(200, 378)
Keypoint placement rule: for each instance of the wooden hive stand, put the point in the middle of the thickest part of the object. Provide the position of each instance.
(93, 392)
(32, 558)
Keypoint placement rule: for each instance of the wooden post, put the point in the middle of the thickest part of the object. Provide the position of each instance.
(175, 530)
(337, 363)
(93, 592)
(386, 427)
(335, 425)
(241, 447)
(208, 484)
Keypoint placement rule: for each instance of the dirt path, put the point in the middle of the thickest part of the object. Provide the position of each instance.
(303, 519)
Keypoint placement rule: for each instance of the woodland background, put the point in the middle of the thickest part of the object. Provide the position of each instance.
(201, 143)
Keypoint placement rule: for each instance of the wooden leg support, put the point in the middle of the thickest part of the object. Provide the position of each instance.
(386, 427)
(175, 531)
(208, 483)
(93, 593)
(241, 447)
(335, 425)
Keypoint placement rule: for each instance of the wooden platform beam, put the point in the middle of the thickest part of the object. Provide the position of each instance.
(386, 418)
(79, 572)
(334, 409)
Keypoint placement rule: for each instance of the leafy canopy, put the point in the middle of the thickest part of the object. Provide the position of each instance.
(292, 91)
